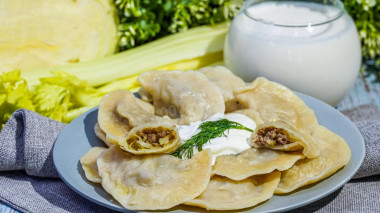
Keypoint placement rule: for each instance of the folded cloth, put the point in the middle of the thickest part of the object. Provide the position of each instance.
(26, 143)
(27, 139)
(367, 120)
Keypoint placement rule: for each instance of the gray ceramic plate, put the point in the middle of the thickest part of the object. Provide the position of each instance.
(78, 137)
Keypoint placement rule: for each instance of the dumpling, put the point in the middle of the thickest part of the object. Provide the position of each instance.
(101, 134)
(110, 122)
(226, 194)
(189, 95)
(254, 115)
(279, 135)
(145, 96)
(136, 114)
(89, 165)
(145, 105)
(276, 102)
(152, 182)
(120, 111)
(335, 153)
(254, 162)
(226, 81)
(151, 139)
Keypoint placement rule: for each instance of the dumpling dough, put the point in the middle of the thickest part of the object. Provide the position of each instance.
(274, 101)
(254, 115)
(149, 182)
(226, 81)
(145, 105)
(101, 134)
(189, 95)
(226, 194)
(137, 115)
(110, 122)
(120, 111)
(89, 165)
(254, 162)
(335, 153)
(279, 135)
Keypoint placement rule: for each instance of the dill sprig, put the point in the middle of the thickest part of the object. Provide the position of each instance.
(209, 130)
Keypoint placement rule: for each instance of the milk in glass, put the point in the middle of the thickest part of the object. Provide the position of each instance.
(309, 47)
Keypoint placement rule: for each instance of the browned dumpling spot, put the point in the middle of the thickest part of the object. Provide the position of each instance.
(226, 194)
(335, 153)
(254, 162)
(226, 81)
(274, 101)
(151, 139)
(188, 96)
(152, 182)
(279, 135)
(89, 165)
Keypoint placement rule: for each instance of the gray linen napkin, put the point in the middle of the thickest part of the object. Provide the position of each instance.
(26, 143)
(25, 157)
(367, 120)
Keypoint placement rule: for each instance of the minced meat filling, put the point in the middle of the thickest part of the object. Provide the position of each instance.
(153, 136)
(271, 137)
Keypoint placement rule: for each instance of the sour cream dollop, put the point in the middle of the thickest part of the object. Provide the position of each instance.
(235, 141)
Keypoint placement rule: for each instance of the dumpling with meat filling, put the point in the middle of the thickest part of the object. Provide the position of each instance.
(226, 81)
(254, 162)
(279, 135)
(120, 111)
(151, 138)
(88, 162)
(274, 101)
(226, 194)
(188, 96)
(152, 182)
(335, 153)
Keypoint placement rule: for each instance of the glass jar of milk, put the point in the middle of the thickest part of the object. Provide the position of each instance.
(310, 46)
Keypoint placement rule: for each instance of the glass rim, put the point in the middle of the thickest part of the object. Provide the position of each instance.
(250, 3)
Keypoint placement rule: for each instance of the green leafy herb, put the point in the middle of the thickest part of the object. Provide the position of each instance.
(366, 14)
(209, 130)
(61, 97)
(14, 94)
(141, 21)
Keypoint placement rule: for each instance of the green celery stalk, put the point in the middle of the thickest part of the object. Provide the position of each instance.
(193, 43)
